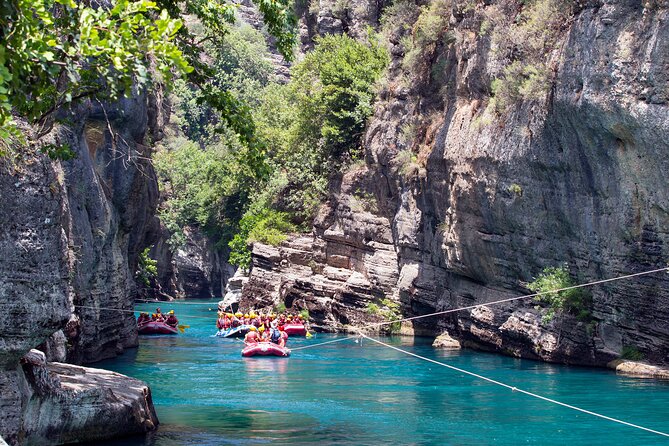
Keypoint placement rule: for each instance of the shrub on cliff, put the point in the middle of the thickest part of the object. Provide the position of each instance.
(147, 268)
(333, 91)
(575, 301)
(264, 226)
(314, 124)
(430, 29)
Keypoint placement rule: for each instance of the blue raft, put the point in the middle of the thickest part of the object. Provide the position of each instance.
(234, 332)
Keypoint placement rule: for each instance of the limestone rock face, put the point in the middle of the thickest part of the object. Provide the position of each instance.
(574, 178)
(233, 291)
(34, 292)
(112, 194)
(196, 270)
(484, 203)
(64, 403)
(337, 273)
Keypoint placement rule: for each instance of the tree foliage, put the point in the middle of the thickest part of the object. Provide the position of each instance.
(56, 52)
(305, 129)
(311, 126)
(147, 268)
(333, 89)
(265, 226)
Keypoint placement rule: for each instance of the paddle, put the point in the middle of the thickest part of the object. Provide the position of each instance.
(183, 328)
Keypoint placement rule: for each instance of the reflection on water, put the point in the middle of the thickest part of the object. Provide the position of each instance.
(347, 393)
(275, 366)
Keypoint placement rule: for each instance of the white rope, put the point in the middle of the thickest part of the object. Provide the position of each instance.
(180, 302)
(527, 296)
(136, 311)
(323, 343)
(515, 389)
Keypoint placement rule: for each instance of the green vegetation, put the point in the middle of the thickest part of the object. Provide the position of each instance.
(147, 268)
(264, 226)
(516, 189)
(280, 308)
(55, 53)
(372, 308)
(308, 128)
(312, 127)
(429, 30)
(631, 353)
(408, 163)
(305, 314)
(574, 301)
(391, 312)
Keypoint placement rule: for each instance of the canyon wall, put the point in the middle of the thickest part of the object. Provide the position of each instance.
(457, 205)
(71, 234)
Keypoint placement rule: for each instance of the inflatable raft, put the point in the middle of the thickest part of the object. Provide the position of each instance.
(295, 329)
(265, 349)
(156, 327)
(234, 332)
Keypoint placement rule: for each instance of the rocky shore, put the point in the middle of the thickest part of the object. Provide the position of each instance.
(56, 403)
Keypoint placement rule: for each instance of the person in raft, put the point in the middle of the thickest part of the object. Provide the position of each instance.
(251, 337)
(143, 318)
(158, 316)
(171, 319)
(277, 336)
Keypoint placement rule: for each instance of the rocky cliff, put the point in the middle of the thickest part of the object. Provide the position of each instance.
(462, 202)
(198, 269)
(111, 200)
(71, 234)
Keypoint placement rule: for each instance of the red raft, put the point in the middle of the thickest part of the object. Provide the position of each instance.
(295, 329)
(265, 349)
(156, 327)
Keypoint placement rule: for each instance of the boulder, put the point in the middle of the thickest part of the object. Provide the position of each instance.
(61, 403)
(446, 342)
(638, 369)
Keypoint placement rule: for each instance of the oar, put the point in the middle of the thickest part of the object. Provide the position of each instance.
(183, 328)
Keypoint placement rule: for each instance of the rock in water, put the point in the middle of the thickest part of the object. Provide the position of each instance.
(638, 369)
(446, 342)
(64, 403)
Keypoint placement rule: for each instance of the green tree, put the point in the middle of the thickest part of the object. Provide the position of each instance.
(333, 88)
(147, 268)
(54, 53)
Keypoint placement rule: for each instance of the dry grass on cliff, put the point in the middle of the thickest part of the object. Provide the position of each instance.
(525, 46)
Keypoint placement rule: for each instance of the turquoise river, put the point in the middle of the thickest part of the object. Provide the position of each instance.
(354, 393)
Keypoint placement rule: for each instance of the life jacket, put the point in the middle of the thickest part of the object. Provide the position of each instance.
(275, 335)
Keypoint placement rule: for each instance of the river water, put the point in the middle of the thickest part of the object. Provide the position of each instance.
(352, 393)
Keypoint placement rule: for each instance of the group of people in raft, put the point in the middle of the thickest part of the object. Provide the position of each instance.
(262, 328)
(169, 318)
